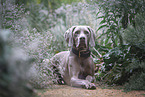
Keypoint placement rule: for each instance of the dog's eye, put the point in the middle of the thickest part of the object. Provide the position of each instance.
(86, 32)
(76, 33)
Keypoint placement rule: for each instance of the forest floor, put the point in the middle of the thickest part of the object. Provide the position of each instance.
(100, 91)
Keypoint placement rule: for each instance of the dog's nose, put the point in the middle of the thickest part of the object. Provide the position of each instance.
(82, 38)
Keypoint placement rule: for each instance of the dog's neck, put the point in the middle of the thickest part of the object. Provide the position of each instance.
(82, 53)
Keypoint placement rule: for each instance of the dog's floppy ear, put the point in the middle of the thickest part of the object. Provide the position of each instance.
(69, 35)
(92, 36)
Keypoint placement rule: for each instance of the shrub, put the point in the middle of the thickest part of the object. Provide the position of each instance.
(14, 65)
(136, 80)
(117, 56)
(136, 38)
(10, 15)
(115, 61)
(135, 35)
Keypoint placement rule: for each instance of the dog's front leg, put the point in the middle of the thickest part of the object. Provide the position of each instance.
(82, 83)
(74, 70)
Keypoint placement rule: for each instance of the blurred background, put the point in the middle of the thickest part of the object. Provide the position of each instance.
(32, 31)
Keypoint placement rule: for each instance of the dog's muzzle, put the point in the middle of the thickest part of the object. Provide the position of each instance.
(82, 43)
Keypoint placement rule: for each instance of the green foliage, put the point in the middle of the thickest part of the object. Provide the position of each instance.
(136, 35)
(49, 4)
(137, 79)
(14, 64)
(57, 23)
(114, 62)
(124, 9)
(38, 18)
(112, 31)
(111, 24)
(123, 64)
(117, 15)
(10, 15)
(72, 14)
(117, 57)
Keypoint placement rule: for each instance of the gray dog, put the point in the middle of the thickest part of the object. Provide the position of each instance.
(76, 67)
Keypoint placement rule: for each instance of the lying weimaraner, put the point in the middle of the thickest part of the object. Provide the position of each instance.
(76, 67)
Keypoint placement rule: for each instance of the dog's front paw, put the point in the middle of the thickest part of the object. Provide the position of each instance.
(89, 86)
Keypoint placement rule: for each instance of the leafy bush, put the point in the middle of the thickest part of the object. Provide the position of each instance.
(116, 16)
(36, 44)
(125, 10)
(115, 61)
(136, 38)
(14, 65)
(10, 15)
(137, 79)
(51, 5)
(117, 56)
(136, 35)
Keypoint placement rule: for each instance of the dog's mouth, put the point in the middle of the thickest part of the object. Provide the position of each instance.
(82, 45)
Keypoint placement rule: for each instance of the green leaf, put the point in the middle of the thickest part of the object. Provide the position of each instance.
(8, 19)
(101, 35)
(109, 45)
(102, 26)
(107, 40)
(103, 21)
(100, 17)
(97, 13)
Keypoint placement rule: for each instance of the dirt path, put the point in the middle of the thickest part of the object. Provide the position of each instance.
(67, 91)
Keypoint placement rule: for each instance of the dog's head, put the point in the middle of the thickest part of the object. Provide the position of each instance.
(80, 37)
